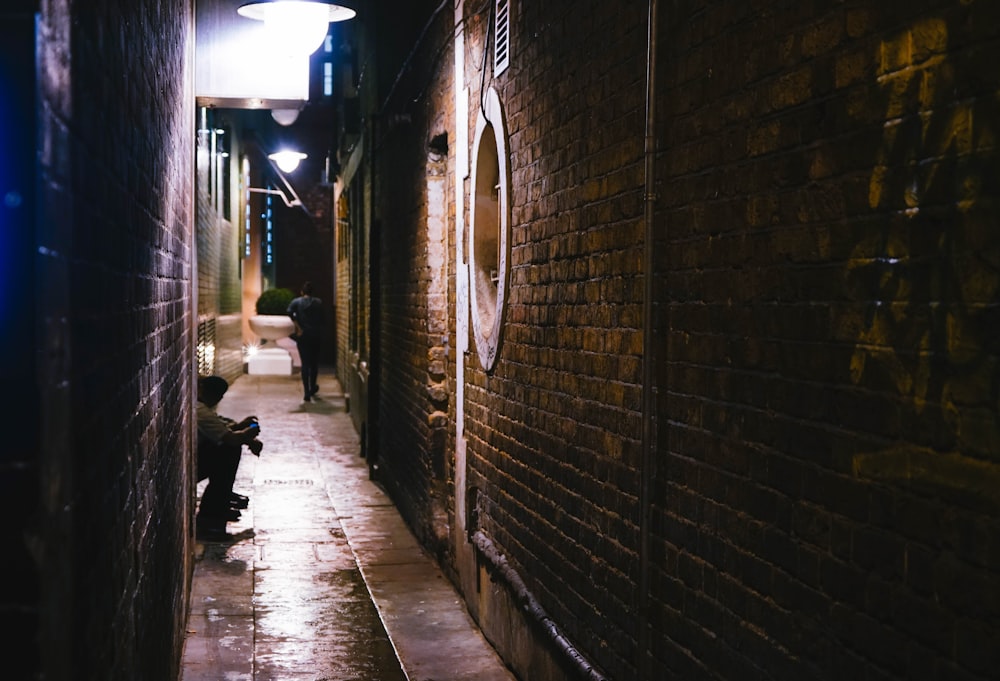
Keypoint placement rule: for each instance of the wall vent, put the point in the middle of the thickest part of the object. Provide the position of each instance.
(501, 53)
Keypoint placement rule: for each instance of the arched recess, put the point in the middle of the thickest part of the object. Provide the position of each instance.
(489, 242)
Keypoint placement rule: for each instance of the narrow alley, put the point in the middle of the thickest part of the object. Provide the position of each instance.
(670, 328)
(322, 579)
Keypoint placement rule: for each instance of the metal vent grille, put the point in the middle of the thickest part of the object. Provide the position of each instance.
(501, 53)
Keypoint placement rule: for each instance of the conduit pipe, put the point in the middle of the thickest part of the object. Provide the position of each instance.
(290, 202)
(533, 609)
(648, 456)
(296, 201)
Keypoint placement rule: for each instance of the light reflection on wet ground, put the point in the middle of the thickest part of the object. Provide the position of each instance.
(323, 580)
(285, 599)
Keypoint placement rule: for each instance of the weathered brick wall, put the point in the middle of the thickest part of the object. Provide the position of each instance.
(553, 431)
(220, 341)
(342, 290)
(413, 186)
(353, 215)
(826, 491)
(825, 301)
(114, 303)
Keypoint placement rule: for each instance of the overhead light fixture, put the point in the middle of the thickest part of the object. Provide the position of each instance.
(296, 26)
(285, 116)
(288, 161)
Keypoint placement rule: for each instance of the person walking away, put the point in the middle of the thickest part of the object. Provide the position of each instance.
(220, 446)
(307, 313)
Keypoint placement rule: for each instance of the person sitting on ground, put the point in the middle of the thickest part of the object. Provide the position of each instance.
(220, 446)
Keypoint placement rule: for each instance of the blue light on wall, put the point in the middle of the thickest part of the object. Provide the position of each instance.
(18, 171)
(246, 228)
(268, 233)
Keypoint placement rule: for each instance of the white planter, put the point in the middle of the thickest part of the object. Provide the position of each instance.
(271, 360)
(272, 326)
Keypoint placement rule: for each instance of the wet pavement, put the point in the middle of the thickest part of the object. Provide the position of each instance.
(322, 580)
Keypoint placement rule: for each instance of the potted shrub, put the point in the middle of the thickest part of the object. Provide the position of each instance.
(272, 321)
(275, 301)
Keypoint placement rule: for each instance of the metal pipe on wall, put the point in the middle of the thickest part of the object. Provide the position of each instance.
(534, 610)
(648, 457)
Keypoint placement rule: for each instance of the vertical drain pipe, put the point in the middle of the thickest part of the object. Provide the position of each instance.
(648, 444)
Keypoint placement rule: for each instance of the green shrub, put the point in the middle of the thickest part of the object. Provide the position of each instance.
(274, 301)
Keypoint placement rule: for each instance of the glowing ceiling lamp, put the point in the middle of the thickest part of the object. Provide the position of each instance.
(296, 26)
(285, 116)
(287, 160)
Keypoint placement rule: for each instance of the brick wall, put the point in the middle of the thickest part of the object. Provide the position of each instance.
(828, 436)
(553, 432)
(342, 289)
(353, 286)
(218, 232)
(413, 189)
(823, 363)
(114, 310)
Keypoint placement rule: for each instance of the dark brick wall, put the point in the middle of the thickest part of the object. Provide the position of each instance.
(824, 364)
(114, 309)
(825, 496)
(342, 289)
(220, 341)
(553, 432)
(416, 244)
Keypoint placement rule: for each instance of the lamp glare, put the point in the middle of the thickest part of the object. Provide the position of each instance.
(287, 161)
(295, 27)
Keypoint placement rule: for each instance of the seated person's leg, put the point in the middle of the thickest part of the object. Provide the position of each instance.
(203, 459)
(219, 464)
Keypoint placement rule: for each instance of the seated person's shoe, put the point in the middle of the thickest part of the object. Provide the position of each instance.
(238, 501)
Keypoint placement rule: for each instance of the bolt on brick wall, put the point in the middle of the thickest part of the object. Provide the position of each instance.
(828, 434)
(114, 304)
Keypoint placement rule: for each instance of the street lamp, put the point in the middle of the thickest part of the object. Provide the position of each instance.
(283, 162)
(287, 160)
(296, 26)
